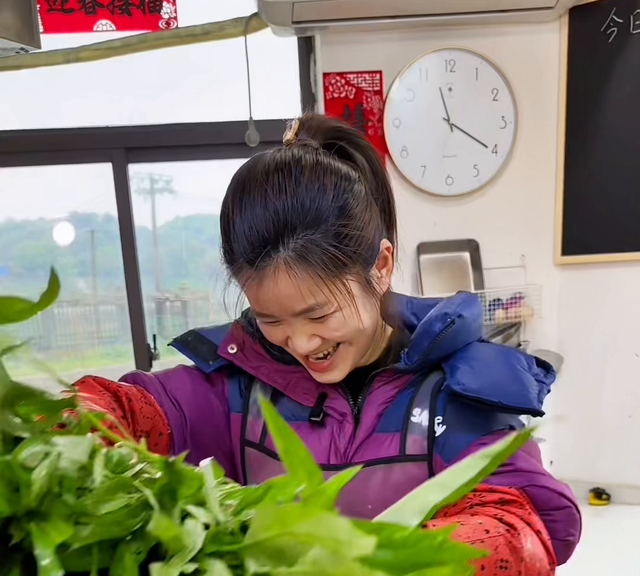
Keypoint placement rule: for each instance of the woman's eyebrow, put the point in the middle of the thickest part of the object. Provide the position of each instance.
(308, 310)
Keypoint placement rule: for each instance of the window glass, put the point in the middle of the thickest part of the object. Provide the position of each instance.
(176, 207)
(65, 216)
(198, 83)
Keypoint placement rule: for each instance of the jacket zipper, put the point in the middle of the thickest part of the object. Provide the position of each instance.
(437, 339)
(356, 405)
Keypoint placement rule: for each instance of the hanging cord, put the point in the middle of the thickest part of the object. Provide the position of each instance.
(252, 136)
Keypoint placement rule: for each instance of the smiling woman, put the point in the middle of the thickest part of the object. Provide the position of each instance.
(308, 230)
(317, 268)
(329, 336)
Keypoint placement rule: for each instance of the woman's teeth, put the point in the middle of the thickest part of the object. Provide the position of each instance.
(324, 355)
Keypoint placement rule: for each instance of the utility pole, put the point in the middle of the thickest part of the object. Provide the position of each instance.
(94, 265)
(94, 289)
(157, 271)
(151, 185)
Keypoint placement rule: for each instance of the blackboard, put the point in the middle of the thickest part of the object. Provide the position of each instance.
(599, 188)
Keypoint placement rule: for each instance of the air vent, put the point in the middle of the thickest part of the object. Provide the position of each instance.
(328, 10)
(306, 17)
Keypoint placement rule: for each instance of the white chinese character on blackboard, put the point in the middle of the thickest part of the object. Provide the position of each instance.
(611, 25)
(635, 22)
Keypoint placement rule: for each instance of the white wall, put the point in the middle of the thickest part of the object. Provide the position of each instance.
(589, 314)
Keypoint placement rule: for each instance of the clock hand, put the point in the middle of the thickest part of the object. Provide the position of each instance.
(446, 110)
(452, 125)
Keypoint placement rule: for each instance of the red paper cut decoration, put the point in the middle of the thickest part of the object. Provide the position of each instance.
(68, 16)
(357, 98)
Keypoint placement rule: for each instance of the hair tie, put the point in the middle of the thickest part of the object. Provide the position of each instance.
(291, 135)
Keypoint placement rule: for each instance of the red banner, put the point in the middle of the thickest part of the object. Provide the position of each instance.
(68, 16)
(357, 98)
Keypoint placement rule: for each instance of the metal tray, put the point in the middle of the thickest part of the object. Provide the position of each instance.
(449, 266)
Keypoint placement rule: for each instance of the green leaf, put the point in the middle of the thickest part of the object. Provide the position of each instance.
(167, 531)
(130, 554)
(325, 496)
(9, 495)
(25, 411)
(211, 474)
(12, 348)
(42, 478)
(403, 550)
(192, 536)
(120, 459)
(282, 535)
(32, 452)
(318, 562)
(74, 451)
(45, 538)
(168, 569)
(84, 559)
(452, 484)
(297, 459)
(163, 569)
(214, 567)
(191, 539)
(14, 309)
(109, 496)
(118, 524)
(10, 566)
(244, 499)
(200, 514)
(24, 355)
(99, 467)
(4, 375)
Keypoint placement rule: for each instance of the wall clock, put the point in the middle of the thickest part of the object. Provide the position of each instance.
(450, 122)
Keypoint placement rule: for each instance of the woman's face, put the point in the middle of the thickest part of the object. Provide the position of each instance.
(328, 336)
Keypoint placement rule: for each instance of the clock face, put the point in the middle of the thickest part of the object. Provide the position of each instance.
(450, 122)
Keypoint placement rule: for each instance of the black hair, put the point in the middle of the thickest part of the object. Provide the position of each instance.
(320, 205)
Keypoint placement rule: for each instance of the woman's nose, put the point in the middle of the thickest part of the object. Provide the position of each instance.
(303, 343)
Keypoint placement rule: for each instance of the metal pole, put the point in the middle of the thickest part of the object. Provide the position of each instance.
(94, 268)
(156, 244)
(94, 289)
(130, 261)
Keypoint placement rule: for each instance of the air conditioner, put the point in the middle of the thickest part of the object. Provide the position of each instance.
(19, 29)
(306, 17)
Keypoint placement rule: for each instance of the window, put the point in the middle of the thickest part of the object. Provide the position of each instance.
(197, 83)
(65, 216)
(176, 208)
(125, 277)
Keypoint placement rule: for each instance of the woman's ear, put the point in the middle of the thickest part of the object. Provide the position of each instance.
(383, 268)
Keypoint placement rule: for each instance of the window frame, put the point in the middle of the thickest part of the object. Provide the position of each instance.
(124, 145)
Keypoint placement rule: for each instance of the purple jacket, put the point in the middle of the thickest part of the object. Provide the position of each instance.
(450, 394)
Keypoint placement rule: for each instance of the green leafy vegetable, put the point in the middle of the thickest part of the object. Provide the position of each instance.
(453, 483)
(300, 465)
(325, 495)
(14, 309)
(69, 504)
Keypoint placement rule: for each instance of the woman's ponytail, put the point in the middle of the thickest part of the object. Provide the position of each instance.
(319, 205)
(350, 146)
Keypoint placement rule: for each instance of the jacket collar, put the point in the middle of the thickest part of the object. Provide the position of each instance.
(437, 328)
